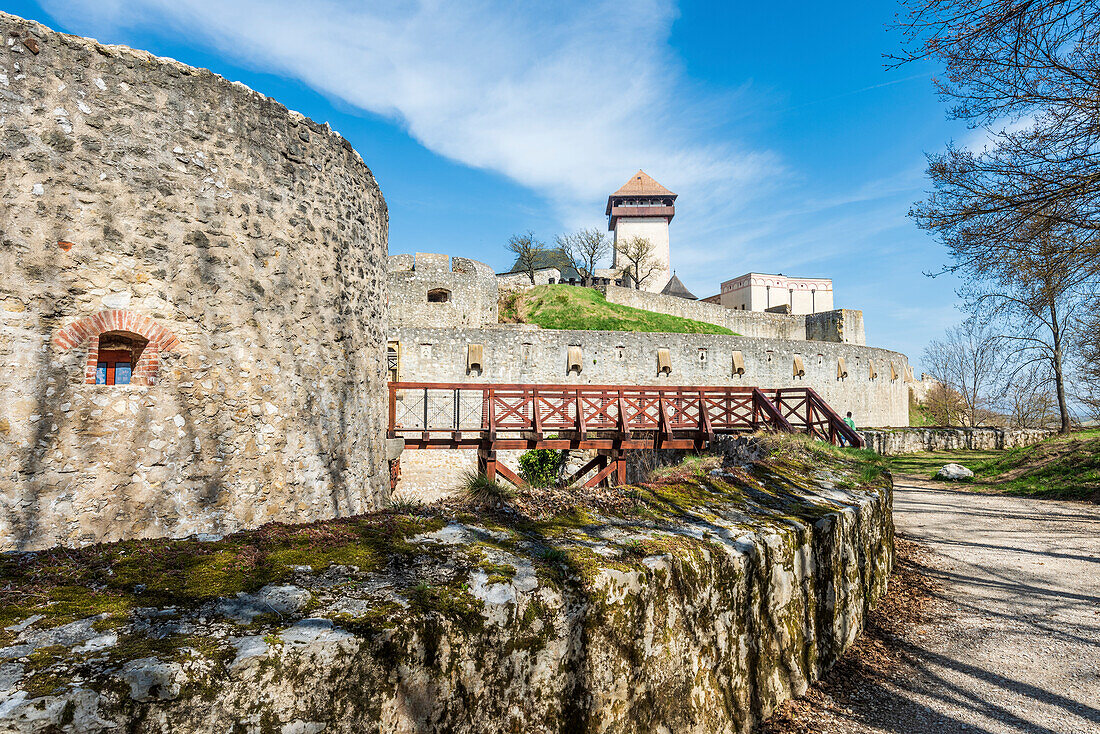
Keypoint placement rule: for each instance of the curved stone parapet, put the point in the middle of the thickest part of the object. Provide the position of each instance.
(233, 248)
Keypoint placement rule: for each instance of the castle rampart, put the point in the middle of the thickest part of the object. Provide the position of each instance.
(163, 226)
(512, 354)
(841, 325)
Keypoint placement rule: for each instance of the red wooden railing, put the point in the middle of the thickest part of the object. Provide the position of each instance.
(498, 416)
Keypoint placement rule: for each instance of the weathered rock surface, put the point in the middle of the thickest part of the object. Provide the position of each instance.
(256, 237)
(695, 603)
(954, 472)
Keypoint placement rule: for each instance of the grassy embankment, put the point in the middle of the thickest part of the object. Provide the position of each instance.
(919, 416)
(1062, 467)
(573, 307)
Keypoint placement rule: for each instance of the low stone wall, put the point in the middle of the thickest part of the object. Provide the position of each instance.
(842, 325)
(749, 588)
(916, 440)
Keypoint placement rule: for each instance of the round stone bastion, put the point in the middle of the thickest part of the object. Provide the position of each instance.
(192, 302)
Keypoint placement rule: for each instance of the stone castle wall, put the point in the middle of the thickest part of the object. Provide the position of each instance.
(529, 355)
(470, 286)
(842, 325)
(143, 199)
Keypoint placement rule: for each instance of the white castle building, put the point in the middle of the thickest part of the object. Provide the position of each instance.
(764, 292)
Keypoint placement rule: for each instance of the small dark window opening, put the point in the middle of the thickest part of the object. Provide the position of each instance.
(439, 295)
(117, 357)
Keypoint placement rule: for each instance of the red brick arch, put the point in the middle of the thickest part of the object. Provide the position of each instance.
(86, 331)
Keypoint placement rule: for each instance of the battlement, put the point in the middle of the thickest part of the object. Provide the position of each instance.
(430, 262)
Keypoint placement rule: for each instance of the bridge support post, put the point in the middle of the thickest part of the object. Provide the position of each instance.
(487, 463)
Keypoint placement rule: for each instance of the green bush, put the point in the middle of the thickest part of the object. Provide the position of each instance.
(541, 467)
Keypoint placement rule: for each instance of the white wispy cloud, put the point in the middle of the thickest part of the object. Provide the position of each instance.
(566, 98)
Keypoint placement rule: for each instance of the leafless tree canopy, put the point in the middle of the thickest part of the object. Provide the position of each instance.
(642, 263)
(585, 248)
(529, 252)
(1020, 218)
(1085, 361)
(1028, 400)
(1015, 61)
(968, 362)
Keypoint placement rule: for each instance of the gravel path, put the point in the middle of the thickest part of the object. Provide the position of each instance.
(1016, 644)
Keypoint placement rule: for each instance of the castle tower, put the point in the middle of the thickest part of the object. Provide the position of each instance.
(642, 208)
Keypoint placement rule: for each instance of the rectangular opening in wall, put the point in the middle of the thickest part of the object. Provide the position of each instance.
(393, 361)
(799, 367)
(841, 369)
(738, 363)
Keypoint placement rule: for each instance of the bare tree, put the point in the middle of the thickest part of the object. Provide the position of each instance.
(968, 361)
(1033, 67)
(529, 253)
(1033, 296)
(1086, 361)
(944, 405)
(1028, 401)
(585, 248)
(642, 263)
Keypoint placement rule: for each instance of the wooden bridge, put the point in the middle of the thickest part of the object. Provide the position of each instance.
(610, 419)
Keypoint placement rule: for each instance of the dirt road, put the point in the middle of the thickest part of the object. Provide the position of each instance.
(1013, 645)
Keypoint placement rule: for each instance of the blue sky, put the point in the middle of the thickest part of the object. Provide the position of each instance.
(792, 147)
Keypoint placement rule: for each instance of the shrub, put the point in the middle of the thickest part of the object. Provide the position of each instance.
(541, 467)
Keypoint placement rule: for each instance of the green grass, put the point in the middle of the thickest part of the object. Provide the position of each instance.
(573, 307)
(919, 416)
(1062, 467)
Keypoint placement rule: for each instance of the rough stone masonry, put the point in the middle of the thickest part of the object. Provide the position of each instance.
(238, 247)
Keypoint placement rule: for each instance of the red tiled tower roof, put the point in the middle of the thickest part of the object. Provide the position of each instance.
(640, 185)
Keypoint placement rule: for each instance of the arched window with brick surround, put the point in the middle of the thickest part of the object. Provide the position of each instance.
(123, 347)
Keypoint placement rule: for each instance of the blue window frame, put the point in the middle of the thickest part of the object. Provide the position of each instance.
(122, 373)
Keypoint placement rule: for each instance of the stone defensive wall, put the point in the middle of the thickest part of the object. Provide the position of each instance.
(873, 388)
(437, 290)
(917, 440)
(842, 325)
(526, 354)
(731, 593)
(161, 222)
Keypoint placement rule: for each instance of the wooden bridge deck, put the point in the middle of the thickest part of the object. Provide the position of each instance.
(610, 419)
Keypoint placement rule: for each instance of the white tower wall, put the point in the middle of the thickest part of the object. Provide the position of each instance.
(655, 229)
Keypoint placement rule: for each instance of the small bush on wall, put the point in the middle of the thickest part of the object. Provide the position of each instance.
(541, 467)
